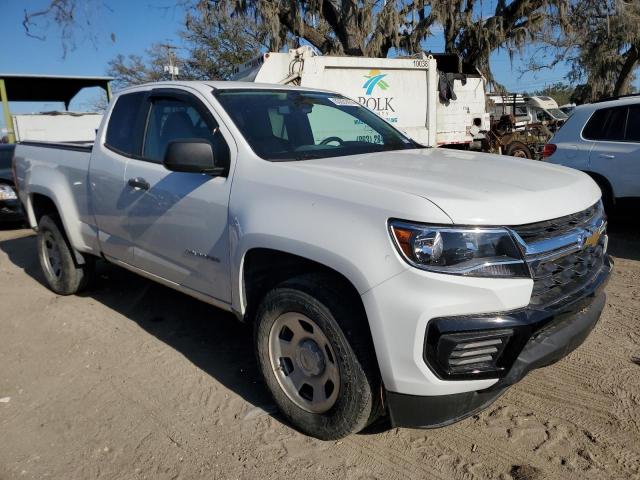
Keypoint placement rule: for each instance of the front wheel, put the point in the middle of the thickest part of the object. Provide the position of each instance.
(63, 275)
(323, 379)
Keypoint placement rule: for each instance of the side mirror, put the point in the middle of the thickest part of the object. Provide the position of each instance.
(192, 155)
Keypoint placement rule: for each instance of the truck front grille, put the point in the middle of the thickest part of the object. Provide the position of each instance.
(563, 277)
(565, 254)
(536, 232)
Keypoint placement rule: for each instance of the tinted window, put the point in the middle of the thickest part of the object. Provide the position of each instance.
(172, 119)
(615, 125)
(606, 124)
(633, 124)
(122, 132)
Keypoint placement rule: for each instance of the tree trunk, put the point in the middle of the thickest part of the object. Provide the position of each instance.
(630, 62)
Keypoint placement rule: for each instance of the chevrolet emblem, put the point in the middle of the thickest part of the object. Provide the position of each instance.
(592, 239)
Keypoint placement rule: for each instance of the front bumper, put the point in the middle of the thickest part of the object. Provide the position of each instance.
(543, 337)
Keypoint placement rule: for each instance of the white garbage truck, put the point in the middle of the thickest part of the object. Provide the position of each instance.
(432, 98)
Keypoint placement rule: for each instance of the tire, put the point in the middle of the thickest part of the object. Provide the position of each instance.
(63, 275)
(343, 406)
(608, 200)
(519, 149)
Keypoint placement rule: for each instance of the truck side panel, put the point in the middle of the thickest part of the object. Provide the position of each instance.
(59, 173)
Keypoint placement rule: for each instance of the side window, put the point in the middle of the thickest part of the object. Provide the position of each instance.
(122, 132)
(616, 124)
(172, 119)
(278, 125)
(327, 122)
(633, 124)
(606, 124)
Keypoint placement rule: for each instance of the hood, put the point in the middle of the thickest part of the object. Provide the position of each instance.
(471, 188)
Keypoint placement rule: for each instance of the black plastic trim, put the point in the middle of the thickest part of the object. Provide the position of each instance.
(526, 323)
(561, 333)
(58, 145)
(415, 411)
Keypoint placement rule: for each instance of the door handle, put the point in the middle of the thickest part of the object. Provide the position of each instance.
(607, 155)
(138, 183)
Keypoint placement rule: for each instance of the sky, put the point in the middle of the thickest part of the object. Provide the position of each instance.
(135, 25)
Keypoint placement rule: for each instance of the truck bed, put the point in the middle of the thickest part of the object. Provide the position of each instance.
(43, 168)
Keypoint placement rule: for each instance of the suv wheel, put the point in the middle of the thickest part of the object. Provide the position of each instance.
(315, 356)
(58, 264)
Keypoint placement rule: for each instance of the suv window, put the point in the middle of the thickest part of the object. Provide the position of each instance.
(122, 132)
(606, 124)
(633, 124)
(172, 119)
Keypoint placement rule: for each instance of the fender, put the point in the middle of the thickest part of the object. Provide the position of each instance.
(52, 184)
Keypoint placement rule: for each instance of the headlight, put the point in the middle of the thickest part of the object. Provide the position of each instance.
(478, 252)
(7, 193)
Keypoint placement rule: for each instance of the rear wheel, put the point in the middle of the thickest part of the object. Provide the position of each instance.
(63, 275)
(519, 149)
(316, 358)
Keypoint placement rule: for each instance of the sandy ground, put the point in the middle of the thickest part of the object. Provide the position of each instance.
(133, 380)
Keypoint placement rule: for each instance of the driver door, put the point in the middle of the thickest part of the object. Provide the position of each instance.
(177, 221)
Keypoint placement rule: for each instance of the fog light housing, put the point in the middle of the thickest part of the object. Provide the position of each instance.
(470, 354)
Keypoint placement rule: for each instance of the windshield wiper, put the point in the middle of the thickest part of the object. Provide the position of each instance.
(307, 156)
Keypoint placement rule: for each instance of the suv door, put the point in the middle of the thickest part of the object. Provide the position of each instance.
(616, 152)
(178, 222)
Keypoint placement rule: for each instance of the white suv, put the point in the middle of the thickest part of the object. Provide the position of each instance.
(603, 140)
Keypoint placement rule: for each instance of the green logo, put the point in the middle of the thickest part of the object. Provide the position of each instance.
(375, 78)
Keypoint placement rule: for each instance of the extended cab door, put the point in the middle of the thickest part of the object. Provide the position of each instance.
(122, 139)
(616, 152)
(177, 221)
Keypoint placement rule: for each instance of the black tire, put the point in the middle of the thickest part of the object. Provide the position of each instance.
(62, 273)
(320, 299)
(519, 149)
(608, 200)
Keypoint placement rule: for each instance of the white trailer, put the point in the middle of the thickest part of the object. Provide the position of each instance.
(56, 126)
(404, 91)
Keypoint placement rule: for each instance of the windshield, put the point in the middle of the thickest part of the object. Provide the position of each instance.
(298, 125)
(557, 114)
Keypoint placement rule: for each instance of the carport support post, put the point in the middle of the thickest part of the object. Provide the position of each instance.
(7, 114)
(108, 90)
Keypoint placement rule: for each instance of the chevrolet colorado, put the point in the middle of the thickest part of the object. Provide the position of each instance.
(381, 278)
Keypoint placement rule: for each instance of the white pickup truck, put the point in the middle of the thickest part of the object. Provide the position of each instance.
(383, 279)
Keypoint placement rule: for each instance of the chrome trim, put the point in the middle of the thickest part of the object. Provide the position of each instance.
(564, 244)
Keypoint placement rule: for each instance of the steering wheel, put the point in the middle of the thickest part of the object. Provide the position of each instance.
(328, 140)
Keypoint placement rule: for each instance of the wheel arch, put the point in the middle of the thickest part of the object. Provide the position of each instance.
(43, 202)
(262, 269)
(608, 193)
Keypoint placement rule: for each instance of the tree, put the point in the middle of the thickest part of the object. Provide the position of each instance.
(214, 41)
(600, 41)
(369, 28)
(69, 19)
(137, 69)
